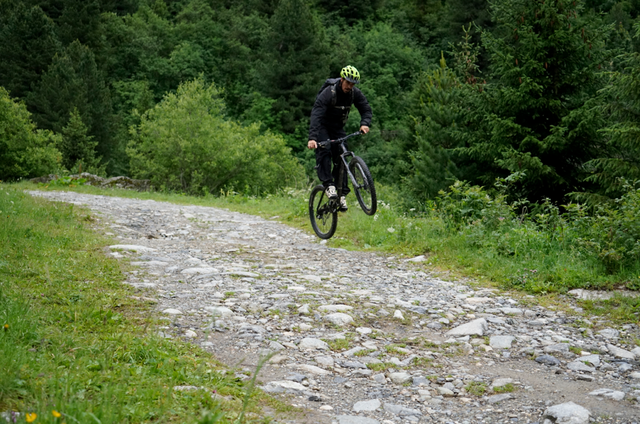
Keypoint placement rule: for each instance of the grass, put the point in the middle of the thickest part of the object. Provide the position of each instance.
(338, 345)
(507, 388)
(476, 388)
(75, 342)
(519, 257)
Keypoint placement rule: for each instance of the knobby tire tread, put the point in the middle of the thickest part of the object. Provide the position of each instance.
(318, 191)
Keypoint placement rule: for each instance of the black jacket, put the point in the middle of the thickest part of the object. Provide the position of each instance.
(332, 118)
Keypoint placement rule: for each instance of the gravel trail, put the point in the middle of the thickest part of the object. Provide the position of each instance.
(361, 337)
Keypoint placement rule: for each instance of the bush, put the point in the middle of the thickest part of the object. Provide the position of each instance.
(612, 231)
(24, 151)
(185, 144)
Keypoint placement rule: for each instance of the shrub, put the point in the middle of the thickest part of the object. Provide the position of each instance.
(185, 144)
(612, 231)
(24, 151)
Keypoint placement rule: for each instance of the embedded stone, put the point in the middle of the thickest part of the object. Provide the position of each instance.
(339, 319)
(476, 327)
(309, 343)
(501, 342)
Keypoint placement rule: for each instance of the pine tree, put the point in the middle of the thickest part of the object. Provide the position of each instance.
(532, 116)
(73, 81)
(621, 106)
(295, 63)
(28, 41)
(77, 147)
(435, 113)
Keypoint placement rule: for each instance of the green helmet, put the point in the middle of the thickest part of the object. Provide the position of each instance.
(351, 74)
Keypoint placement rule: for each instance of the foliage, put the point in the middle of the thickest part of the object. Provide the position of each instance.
(28, 41)
(436, 112)
(621, 104)
(78, 148)
(294, 64)
(24, 150)
(185, 144)
(612, 232)
(533, 116)
(73, 81)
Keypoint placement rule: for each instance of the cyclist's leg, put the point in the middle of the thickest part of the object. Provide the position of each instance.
(323, 162)
(336, 151)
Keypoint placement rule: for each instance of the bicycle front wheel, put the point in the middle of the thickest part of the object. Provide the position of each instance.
(364, 188)
(322, 213)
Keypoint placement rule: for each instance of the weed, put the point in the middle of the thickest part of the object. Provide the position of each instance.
(422, 362)
(381, 366)
(364, 352)
(575, 350)
(476, 388)
(339, 344)
(507, 388)
(395, 349)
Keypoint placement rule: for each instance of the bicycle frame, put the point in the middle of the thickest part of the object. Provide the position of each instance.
(344, 165)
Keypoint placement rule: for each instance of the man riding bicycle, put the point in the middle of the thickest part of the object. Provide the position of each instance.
(328, 118)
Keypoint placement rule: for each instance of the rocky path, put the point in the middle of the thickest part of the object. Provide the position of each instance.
(364, 338)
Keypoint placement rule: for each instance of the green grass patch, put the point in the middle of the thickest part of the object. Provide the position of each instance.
(379, 366)
(75, 343)
(338, 345)
(476, 388)
(507, 388)
(364, 352)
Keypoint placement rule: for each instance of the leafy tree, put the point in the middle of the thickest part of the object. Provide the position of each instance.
(185, 144)
(24, 150)
(28, 41)
(78, 148)
(532, 116)
(74, 82)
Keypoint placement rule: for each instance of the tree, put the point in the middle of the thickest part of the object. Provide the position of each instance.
(620, 102)
(24, 151)
(185, 144)
(294, 64)
(436, 112)
(532, 116)
(74, 82)
(349, 12)
(78, 148)
(28, 41)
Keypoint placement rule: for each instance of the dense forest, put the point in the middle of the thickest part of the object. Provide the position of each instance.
(205, 95)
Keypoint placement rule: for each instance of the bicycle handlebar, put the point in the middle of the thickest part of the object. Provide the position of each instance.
(338, 140)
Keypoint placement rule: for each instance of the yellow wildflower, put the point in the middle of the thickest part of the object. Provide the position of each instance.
(56, 414)
(6, 326)
(31, 417)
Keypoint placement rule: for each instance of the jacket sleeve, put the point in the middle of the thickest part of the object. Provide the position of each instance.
(318, 112)
(361, 103)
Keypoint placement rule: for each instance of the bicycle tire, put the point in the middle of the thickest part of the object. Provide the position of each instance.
(323, 216)
(365, 189)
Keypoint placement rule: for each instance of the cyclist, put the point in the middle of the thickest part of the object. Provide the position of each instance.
(328, 117)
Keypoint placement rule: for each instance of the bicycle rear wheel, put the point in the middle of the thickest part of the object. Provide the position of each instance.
(322, 213)
(364, 187)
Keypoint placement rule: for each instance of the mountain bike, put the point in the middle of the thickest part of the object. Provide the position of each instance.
(323, 211)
